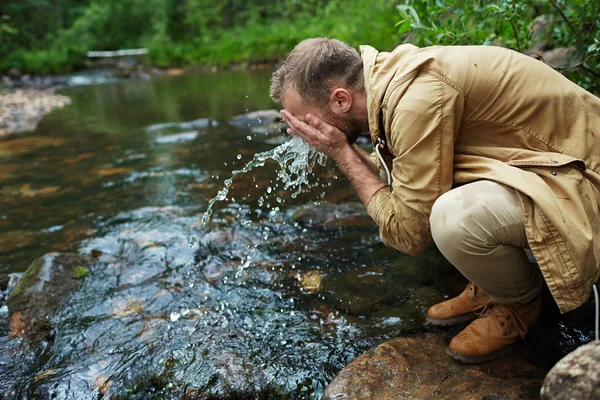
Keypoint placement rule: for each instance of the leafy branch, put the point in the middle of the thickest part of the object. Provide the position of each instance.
(510, 23)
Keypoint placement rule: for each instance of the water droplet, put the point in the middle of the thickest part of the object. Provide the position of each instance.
(239, 156)
(296, 161)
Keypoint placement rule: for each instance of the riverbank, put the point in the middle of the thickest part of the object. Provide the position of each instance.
(26, 99)
(22, 109)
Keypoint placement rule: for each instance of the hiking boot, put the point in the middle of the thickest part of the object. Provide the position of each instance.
(494, 332)
(458, 309)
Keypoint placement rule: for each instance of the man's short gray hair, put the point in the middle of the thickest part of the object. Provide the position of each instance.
(313, 67)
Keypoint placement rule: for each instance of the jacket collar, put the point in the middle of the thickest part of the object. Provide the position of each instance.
(374, 91)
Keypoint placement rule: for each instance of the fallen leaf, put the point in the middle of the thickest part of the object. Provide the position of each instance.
(44, 374)
(102, 172)
(17, 326)
(311, 281)
(102, 384)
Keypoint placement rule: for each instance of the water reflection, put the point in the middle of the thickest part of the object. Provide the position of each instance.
(94, 158)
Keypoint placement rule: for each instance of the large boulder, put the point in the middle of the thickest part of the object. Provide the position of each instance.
(41, 291)
(576, 376)
(418, 368)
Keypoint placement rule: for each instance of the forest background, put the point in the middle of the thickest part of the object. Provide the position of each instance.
(54, 36)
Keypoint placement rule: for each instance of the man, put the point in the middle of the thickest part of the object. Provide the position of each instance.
(489, 152)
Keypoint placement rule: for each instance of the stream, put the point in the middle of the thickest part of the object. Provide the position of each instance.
(268, 296)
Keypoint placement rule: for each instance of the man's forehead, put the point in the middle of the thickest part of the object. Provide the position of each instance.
(292, 96)
(293, 103)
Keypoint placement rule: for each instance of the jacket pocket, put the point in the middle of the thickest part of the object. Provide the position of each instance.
(528, 158)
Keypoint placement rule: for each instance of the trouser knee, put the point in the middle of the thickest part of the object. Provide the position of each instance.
(479, 228)
(447, 223)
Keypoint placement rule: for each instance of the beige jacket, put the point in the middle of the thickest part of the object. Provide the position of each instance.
(454, 115)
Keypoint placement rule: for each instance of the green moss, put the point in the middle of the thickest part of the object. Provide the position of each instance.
(29, 278)
(79, 272)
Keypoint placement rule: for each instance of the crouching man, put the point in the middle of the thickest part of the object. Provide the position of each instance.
(483, 150)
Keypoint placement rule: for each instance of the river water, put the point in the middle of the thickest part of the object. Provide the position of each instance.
(268, 300)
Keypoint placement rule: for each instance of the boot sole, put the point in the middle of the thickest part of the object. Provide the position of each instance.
(451, 321)
(479, 359)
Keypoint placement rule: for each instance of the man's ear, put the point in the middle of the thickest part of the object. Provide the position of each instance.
(340, 100)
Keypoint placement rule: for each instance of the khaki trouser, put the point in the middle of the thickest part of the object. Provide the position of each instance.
(479, 228)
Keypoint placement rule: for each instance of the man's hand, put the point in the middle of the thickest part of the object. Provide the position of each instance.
(329, 140)
(318, 134)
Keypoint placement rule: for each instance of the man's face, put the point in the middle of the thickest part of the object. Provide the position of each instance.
(345, 122)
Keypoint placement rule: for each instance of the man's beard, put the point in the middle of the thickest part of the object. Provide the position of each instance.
(351, 126)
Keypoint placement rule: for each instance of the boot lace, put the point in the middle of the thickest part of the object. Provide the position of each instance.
(501, 312)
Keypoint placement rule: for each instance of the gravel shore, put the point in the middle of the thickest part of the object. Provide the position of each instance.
(22, 109)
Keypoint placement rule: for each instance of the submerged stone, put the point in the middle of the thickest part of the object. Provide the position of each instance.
(195, 124)
(418, 368)
(576, 376)
(41, 291)
(177, 138)
(254, 119)
(333, 216)
(28, 144)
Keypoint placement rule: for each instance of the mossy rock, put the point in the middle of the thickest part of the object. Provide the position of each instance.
(45, 285)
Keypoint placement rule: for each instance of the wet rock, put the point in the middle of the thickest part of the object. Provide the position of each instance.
(177, 138)
(7, 284)
(15, 80)
(560, 57)
(4, 279)
(333, 216)
(576, 376)
(418, 368)
(14, 73)
(174, 127)
(270, 129)
(559, 334)
(42, 290)
(261, 122)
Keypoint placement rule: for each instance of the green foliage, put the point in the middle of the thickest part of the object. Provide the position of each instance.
(515, 24)
(465, 22)
(183, 32)
(53, 36)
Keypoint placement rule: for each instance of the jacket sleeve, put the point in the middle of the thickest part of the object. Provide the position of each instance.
(423, 122)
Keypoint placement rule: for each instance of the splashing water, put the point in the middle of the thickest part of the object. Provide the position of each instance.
(296, 160)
